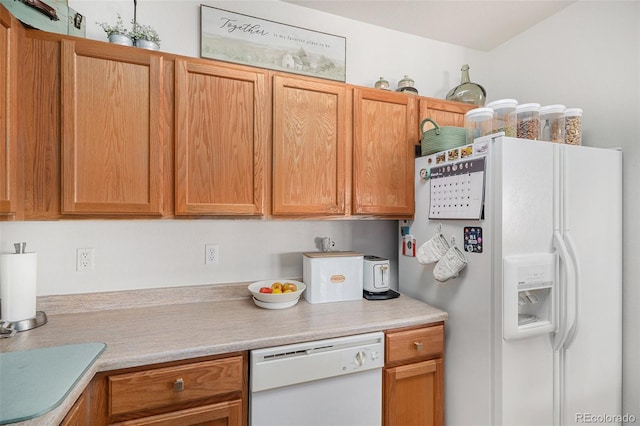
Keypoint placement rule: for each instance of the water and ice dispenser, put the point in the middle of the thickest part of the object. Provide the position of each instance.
(528, 298)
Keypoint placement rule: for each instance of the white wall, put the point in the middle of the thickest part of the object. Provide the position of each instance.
(587, 56)
(371, 51)
(132, 254)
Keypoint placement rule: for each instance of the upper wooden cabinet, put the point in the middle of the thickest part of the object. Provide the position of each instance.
(8, 113)
(385, 130)
(222, 133)
(111, 132)
(445, 113)
(309, 146)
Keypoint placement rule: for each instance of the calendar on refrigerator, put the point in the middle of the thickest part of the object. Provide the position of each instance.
(457, 190)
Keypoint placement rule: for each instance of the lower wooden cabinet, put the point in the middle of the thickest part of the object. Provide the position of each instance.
(413, 378)
(214, 390)
(78, 414)
(210, 391)
(221, 414)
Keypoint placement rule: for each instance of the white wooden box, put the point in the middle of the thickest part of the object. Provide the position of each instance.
(332, 276)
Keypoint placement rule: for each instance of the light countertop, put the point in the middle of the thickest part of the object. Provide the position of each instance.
(150, 332)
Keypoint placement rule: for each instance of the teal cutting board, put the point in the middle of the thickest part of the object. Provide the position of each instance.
(35, 382)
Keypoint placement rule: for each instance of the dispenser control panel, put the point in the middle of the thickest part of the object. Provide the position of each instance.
(534, 275)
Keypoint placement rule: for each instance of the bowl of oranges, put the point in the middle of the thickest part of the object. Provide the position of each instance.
(282, 292)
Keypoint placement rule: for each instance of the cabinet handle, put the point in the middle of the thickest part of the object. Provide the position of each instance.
(418, 346)
(178, 385)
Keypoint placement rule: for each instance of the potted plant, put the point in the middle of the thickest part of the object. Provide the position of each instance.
(117, 33)
(145, 36)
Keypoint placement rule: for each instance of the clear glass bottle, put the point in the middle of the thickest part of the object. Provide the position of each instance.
(466, 91)
(573, 126)
(504, 117)
(552, 123)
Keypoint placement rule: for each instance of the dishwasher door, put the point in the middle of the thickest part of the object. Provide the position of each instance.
(332, 382)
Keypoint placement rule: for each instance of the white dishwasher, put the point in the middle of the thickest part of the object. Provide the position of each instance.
(332, 382)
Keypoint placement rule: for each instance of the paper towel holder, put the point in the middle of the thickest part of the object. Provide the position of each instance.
(23, 325)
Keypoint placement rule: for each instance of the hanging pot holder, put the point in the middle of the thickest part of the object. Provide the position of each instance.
(433, 250)
(450, 264)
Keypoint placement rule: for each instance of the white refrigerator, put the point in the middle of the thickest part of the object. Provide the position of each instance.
(534, 334)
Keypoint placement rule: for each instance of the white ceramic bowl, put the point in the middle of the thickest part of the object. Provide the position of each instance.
(275, 305)
(254, 288)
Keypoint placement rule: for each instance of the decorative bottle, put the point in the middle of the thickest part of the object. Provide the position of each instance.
(466, 91)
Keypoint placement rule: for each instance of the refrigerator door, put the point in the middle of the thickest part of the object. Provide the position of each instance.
(523, 187)
(591, 362)
(468, 301)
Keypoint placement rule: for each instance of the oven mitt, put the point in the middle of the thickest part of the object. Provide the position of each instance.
(450, 264)
(432, 250)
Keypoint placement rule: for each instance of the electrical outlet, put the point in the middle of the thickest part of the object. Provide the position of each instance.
(85, 258)
(211, 254)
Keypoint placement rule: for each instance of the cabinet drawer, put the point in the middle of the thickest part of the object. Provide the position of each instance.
(412, 344)
(145, 390)
(223, 413)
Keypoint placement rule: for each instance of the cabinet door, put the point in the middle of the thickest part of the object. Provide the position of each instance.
(221, 414)
(309, 147)
(414, 394)
(111, 132)
(222, 129)
(77, 415)
(445, 113)
(385, 131)
(8, 113)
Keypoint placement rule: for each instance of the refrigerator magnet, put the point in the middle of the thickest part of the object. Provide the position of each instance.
(473, 239)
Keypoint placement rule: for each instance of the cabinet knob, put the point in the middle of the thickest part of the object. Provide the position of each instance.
(178, 385)
(418, 346)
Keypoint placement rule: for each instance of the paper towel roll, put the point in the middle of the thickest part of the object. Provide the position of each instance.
(18, 276)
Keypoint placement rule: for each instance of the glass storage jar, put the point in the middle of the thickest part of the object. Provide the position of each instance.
(504, 117)
(573, 126)
(382, 84)
(528, 121)
(552, 123)
(478, 122)
(406, 82)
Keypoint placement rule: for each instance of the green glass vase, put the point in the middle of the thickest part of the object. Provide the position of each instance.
(467, 91)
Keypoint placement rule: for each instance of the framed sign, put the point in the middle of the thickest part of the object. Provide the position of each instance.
(234, 37)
